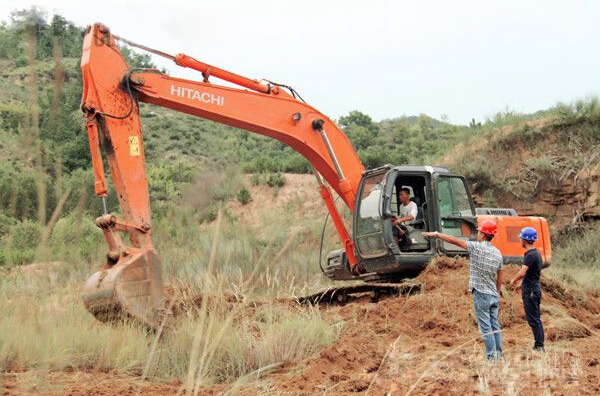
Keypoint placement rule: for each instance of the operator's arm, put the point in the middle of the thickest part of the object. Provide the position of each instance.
(447, 238)
(411, 216)
(403, 219)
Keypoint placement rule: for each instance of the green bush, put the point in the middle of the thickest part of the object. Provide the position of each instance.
(25, 235)
(243, 196)
(263, 164)
(22, 242)
(6, 222)
(543, 164)
(11, 117)
(167, 181)
(255, 179)
(295, 163)
(579, 250)
(75, 239)
(276, 180)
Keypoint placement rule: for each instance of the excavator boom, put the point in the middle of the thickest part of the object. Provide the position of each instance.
(130, 283)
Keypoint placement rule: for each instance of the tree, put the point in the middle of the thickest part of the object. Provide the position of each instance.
(136, 59)
(358, 118)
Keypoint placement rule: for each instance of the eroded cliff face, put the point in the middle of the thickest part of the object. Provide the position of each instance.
(563, 200)
(571, 199)
(547, 167)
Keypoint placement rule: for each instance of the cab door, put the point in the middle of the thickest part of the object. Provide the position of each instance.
(455, 211)
(368, 229)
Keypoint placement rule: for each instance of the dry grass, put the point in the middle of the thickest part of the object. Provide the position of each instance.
(216, 341)
(566, 329)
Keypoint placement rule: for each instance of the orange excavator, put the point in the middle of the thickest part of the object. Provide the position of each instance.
(130, 283)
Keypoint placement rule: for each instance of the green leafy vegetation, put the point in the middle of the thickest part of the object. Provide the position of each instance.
(514, 160)
(577, 259)
(243, 196)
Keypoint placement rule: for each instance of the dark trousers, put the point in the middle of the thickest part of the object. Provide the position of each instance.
(531, 301)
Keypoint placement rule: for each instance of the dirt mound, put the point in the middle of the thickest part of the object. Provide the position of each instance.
(582, 306)
(441, 264)
(437, 272)
(428, 343)
(566, 329)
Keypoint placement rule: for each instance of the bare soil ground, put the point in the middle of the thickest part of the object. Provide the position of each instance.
(423, 344)
(298, 190)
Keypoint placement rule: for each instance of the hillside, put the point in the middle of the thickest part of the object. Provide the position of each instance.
(45, 154)
(548, 166)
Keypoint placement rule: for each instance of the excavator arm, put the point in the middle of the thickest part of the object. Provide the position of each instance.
(131, 281)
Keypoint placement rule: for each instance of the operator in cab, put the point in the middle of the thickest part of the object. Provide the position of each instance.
(407, 213)
(408, 209)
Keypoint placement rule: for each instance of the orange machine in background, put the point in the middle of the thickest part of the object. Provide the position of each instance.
(508, 242)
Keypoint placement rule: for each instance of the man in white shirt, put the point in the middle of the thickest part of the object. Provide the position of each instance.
(408, 209)
(408, 213)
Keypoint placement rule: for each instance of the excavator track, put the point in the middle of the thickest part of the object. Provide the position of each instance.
(375, 291)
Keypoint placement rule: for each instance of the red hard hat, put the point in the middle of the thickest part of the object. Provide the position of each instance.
(488, 227)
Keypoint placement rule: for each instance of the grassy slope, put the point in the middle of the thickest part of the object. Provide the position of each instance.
(522, 162)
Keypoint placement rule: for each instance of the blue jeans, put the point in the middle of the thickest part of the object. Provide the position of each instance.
(486, 311)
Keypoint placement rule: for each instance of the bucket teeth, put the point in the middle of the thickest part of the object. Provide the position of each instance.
(132, 288)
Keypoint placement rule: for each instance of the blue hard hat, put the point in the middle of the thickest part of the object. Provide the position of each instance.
(529, 234)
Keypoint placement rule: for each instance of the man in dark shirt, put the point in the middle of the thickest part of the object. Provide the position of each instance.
(531, 290)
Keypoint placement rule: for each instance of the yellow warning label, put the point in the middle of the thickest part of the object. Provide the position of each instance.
(134, 146)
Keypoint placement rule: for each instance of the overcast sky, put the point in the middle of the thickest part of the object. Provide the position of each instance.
(462, 59)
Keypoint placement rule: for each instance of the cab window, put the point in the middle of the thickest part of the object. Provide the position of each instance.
(454, 203)
(454, 198)
(369, 229)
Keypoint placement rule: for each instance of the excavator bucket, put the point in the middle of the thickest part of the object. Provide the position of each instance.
(132, 288)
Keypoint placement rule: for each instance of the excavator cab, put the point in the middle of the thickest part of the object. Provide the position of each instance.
(444, 204)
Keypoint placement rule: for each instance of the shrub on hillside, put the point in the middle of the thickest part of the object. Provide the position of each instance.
(11, 116)
(21, 242)
(25, 235)
(262, 164)
(6, 222)
(580, 250)
(243, 196)
(75, 239)
(167, 181)
(255, 179)
(295, 163)
(276, 180)
(588, 109)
